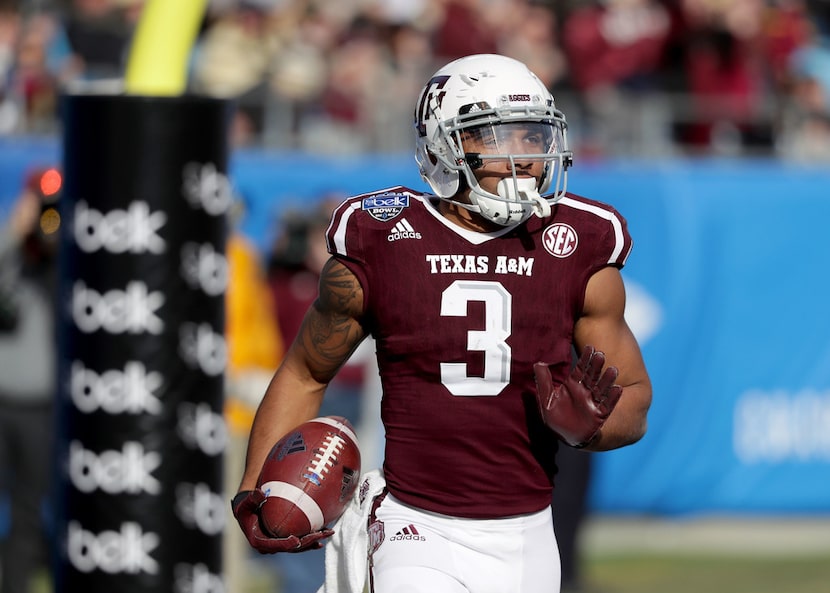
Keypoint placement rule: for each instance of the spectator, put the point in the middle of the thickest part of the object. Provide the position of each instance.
(411, 61)
(785, 27)
(805, 133)
(231, 60)
(28, 376)
(35, 61)
(357, 70)
(725, 75)
(11, 112)
(463, 30)
(616, 50)
(534, 39)
(99, 34)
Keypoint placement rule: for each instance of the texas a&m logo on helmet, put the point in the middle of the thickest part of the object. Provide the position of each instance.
(424, 110)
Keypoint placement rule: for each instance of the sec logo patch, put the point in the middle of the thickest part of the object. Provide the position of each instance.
(560, 240)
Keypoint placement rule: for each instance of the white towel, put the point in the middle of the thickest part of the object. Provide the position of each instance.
(347, 551)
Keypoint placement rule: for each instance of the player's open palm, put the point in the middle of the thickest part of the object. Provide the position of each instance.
(576, 409)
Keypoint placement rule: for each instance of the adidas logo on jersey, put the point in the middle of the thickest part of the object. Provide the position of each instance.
(408, 533)
(403, 230)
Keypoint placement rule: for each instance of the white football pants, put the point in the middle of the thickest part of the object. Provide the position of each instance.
(420, 552)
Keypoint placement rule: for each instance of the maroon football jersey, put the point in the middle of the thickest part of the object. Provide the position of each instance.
(459, 318)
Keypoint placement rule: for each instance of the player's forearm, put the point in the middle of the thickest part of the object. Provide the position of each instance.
(289, 401)
(627, 424)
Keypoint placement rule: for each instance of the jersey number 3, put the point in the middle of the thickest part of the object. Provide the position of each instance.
(498, 307)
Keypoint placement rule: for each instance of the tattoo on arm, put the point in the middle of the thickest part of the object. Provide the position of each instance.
(331, 330)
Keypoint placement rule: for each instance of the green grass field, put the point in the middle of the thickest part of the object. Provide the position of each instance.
(717, 555)
(665, 573)
(683, 573)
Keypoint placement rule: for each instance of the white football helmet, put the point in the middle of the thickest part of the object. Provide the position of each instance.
(485, 95)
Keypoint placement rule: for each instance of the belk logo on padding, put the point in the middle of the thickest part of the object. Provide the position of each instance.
(128, 550)
(134, 230)
(133, 310)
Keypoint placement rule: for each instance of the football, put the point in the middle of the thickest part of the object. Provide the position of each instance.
(309, 477)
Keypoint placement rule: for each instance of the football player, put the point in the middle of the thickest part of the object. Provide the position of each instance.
(476, 295)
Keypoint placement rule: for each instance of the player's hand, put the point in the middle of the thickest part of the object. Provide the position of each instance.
(576, 409)
(245, 506)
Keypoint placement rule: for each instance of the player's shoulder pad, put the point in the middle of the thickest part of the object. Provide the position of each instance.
(596, 207)
(364, 213)
(601, 219)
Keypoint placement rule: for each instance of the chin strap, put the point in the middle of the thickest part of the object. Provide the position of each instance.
(541, 207)
(524, 189)
(510, 190)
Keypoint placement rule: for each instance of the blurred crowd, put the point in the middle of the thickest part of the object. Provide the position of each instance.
(634, 77)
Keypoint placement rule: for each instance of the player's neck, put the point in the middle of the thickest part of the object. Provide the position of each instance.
(466, 219)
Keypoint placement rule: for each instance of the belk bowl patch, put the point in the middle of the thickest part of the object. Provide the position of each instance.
(385, 207)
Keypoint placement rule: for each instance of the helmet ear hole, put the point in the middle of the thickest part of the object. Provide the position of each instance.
(441, 178)
(432, 158)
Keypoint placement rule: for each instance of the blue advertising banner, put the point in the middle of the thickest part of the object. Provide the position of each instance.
(728, 292)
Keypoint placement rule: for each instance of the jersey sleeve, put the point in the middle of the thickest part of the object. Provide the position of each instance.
(613, 242)
(347, 240)
(344, 241)
(341, 237)
(619, 240)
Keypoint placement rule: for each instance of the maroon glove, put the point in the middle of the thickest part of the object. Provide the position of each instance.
(576, 409)
(245, 506)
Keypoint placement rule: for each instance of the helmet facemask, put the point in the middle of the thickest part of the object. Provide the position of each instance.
(526, 154)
